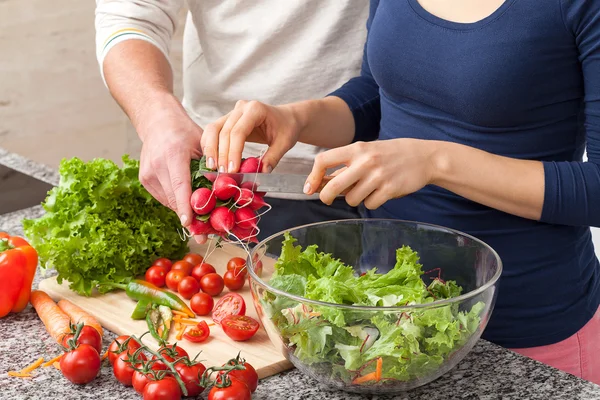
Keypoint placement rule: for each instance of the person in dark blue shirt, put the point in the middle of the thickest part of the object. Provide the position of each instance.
(477, 125)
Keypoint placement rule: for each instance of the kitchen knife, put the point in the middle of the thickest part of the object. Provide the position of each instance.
(274, 182)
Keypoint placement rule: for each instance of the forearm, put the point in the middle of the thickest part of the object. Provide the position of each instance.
(507, 184)
(326, 122)
(140, 79)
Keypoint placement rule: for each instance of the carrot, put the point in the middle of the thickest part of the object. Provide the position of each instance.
(378, 369)
(54, 319)
(78, 315)
(56, 365)
(33, 366)
(373, 376)
(50, 362)
(105, 355)
(181, 332)
(18, 374)
(175, 312)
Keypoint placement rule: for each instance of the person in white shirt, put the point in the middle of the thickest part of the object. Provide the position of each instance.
(273, 51)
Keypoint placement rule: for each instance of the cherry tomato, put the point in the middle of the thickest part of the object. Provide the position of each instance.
(132, 346)
(123, 370)
(80, 365)
(156, 275)
(202, 269)
(188, 287)
(165, 389)
(202, 303)
(236, 391)
(139, 381)
(193, 258)
(230, 304)
(88, 335)
(212, 284)
(197, 334)
(173, 278)
(170, 353)
(184, 266)
(163, 262)
(239, 327)
(234, 281)
(191, 375)
(237, 264)
(248, 376)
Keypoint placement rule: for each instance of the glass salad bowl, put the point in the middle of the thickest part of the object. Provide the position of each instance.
(371, 305)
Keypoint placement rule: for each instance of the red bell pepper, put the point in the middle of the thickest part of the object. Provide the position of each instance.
(18, 263)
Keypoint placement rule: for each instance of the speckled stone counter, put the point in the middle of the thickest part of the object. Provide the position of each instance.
(488, 372)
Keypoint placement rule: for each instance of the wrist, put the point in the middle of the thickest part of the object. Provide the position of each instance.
(440, 160)
(300, 115)
(159, 107)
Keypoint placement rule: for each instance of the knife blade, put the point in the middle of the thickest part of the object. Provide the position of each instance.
(273, 182)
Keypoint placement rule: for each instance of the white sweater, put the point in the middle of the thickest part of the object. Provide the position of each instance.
(274, 51)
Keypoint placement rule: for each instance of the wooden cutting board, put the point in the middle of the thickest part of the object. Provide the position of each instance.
(113, 310)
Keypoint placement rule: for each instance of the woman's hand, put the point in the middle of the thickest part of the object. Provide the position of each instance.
(375, 171)
(224, 139)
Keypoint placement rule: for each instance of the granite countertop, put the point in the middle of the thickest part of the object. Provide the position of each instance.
(488, 372)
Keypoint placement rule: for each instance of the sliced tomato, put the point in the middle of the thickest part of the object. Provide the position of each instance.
(230, 304)
(239, 327)
(198, 334)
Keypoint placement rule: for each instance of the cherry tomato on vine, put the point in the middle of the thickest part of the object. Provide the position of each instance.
(239, 327)
(139, 381)
(193, 258)
(238, 265)
(165, 389)
(132, 346)
(234, 281)
(170, 353)
(248, 375)
(184, 266)
(202, 303)
(88, 335)
(163, 262)
(229, 304)
(197, 334)
(202, 269)
(237, 390)
(212, 284)
(173, 278)
(156, 275)
(80, 365)
(188, 287)
(191, 375)
(123, 370)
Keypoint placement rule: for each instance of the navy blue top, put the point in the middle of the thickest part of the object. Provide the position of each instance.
(524, 83)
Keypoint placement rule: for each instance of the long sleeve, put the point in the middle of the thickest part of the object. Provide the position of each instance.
(362, 95)
(572, 191)
(154, 21)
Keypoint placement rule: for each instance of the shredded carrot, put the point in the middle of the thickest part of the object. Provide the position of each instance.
(56, 365)
(314, 314)
(181, 332)
(175, 312)
(33, 366)
(177, 326)
(365, 378)
(186, 321)
(19, 374)
(378, 369)
(50, 362)
(105, 355)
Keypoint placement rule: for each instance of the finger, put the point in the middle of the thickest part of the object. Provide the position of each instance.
(210, 141)
(340, 183)
(338, 171)
(152, 185)
(362, 189)
(165, 183)
(180, 178)
(224, 139)
(253, 115)
(201, 239)
(273, 155)
(376, 199)
(323, 161)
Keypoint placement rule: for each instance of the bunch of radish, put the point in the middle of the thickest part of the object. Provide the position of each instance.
(226, 207)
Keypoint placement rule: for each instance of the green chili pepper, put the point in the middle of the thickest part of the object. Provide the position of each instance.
(159, 320)
(141, 290)
(140, 310)
(166, 316)
(153, 321)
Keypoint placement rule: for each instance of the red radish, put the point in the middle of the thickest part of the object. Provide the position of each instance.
(222, 219)
(257, 202)
(198, 227)
(249, 185)
(225, 188)
(203, 201)
(245, 234)
(246, 218)
(251, 165)
(211, 177)
(244, 198)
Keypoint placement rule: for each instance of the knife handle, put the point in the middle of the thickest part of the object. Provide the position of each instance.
(326, 180)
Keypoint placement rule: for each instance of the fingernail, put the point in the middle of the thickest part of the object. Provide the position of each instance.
(184, 219)
(307, 188)
(198, 239)
(221, 169)
(210, 163)
(230, 166)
